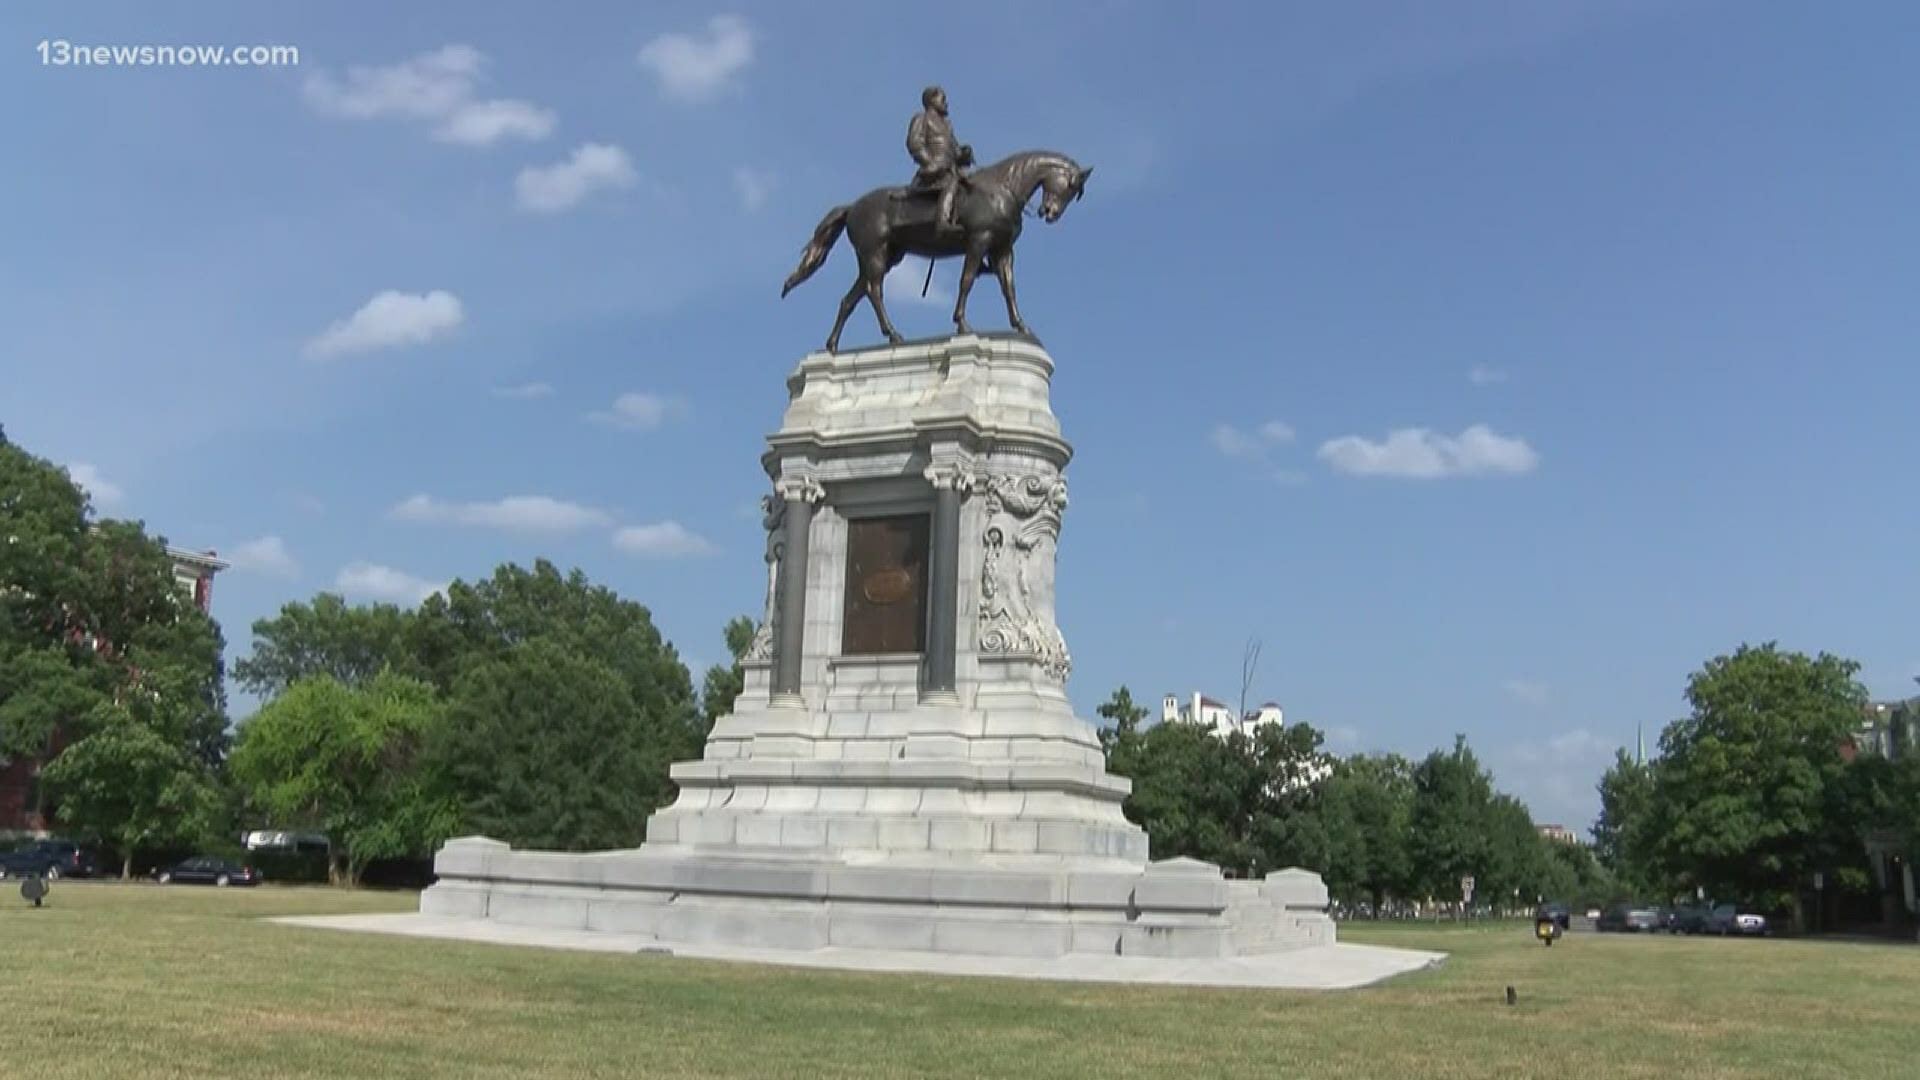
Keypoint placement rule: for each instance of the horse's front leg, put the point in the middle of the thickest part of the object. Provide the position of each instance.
(970, 269)
(1003, 269)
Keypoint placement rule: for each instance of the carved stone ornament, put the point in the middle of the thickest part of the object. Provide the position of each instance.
(1016, 614)
(946, 475)
(774, 511)
(797, 488)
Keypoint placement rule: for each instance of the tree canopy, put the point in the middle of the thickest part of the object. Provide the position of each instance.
(1742, 785)
(547, 748)
(346, 760)
(109, 677)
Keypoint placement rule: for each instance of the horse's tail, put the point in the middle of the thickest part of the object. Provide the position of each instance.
(825, 235)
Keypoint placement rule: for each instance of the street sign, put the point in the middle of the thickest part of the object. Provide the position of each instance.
(1819, 880)
(1466, 888)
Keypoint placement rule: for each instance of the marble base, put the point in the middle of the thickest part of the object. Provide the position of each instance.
(1325, 967)
(984, 905)
(942, 801)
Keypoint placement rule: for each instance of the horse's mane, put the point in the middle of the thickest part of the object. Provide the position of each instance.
(1024, 157)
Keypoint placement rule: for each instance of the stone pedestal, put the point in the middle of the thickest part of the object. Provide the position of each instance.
(903, 769)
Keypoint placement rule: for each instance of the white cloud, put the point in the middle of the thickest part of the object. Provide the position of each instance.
(754, 187)
(267, 555)
(665, 539)
(437, 86)
(515, 513)
(101, 490)
(1482, 375)
(640, 412)
(1526, 691)
(1234, 442)
(372, 581)
(1342, 738)
(390, 319)
(483, 123)
(523, 392)
(1556, 777)
(905, 281)
(592, 167)
(1419, 453)
(695, 67)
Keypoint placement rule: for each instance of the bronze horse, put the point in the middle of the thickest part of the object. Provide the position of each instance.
(886, 226)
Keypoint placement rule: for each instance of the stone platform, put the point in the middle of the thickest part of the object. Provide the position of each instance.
(1328, 967)
(903, 770)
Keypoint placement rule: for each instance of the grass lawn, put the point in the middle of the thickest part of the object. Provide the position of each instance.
(151, 981)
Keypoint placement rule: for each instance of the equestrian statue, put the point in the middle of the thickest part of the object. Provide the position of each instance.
(943, 211)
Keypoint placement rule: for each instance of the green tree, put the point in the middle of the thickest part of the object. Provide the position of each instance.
(1517, 870)
(350, 644)
(94, 636)
(1122, 728)
(1622, 838)
(132, 786)
(43, 691)
(1194, 794)
(1365, 811)
(43, 534)
(723, 684)
(186, 651)
(1742, 787)
(1451, 797)
(347, 761)
(1237, 802)
(544, 747)
(475, 625)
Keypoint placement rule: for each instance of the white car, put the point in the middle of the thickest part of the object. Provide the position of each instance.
(1729, 919)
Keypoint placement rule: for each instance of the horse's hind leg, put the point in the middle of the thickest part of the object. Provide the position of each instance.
(873, 273)
(854, 293)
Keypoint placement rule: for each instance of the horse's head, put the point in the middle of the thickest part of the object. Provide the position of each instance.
(1064, 182)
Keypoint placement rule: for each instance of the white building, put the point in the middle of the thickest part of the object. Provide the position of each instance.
(1219, 721)
(1216, 717)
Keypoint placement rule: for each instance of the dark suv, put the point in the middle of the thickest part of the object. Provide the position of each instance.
(51, 859)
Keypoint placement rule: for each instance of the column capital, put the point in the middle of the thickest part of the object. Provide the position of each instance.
(950, 476)
(799, 489)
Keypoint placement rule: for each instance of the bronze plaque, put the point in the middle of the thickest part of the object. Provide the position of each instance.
(886, 604)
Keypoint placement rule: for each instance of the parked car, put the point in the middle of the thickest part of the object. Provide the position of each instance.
(1688, 919)
(208, 870)
(52, 859)
(1730, 919)
(1559, 913)
(1629, 918)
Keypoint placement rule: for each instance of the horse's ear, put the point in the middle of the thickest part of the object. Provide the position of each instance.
(1080, 185)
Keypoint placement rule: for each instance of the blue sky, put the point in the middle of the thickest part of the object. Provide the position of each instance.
(1493, 363)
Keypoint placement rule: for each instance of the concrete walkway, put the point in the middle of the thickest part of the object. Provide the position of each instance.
(1331, 967)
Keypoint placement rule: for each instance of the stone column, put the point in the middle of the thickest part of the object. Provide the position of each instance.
(799, 493)
(943, 600)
